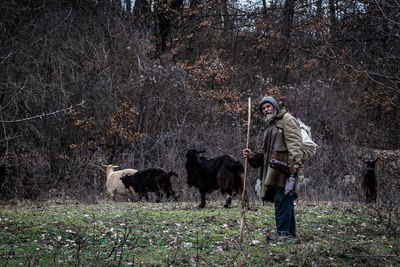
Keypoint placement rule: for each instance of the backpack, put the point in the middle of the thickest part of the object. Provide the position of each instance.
(309, 146)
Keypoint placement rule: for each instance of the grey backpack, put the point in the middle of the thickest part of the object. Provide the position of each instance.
(309, 146)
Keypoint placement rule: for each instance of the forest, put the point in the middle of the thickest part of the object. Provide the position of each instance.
(138, 83)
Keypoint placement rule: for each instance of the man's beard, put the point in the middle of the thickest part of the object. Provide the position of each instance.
(270, 116)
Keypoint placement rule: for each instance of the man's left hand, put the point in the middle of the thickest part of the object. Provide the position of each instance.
(296, 167)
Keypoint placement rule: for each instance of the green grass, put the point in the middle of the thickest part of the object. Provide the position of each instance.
(113, 234)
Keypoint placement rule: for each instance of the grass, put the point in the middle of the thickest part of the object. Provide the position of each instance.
(178, 234)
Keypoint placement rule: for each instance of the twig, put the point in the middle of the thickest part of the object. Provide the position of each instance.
(234, 258)
(242, 215)
(370, 256)
(39, 39)
(78, 250)
(197, 250)
(6, 139)
(43, 114)
(28, 260)
(6, 105)
(123, 242)
(10, 138)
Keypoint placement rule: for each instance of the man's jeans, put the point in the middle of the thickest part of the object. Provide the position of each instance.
(284, 214)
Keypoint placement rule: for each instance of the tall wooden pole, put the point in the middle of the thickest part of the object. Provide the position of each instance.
(245, 176)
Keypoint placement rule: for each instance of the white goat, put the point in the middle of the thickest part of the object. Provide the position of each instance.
(114, 184)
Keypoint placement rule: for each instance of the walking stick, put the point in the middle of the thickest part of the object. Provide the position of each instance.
(245, 175)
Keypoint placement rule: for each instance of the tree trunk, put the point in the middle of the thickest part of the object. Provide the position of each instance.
(319, 9)
(282, 72)
(165, 15)
(191, 31)
(142, 15)
(332, 18)
(128, 6)
(264, 2)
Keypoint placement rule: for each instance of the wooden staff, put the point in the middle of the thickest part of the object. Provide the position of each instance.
(245, 176)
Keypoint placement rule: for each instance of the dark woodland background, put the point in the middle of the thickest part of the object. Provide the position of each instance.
(138, 82)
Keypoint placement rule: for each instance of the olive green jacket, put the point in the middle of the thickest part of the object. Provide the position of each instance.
(282, 141)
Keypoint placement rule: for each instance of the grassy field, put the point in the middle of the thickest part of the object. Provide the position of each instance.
(178, 234)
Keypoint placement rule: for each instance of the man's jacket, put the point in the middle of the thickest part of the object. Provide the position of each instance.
(282, 141)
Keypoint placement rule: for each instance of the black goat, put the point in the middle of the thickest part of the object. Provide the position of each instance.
(223, 172)
(150, 180)
(369, 182)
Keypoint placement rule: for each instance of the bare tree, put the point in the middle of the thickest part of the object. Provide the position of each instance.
(142, 15)
(166, 13)
(282, 71)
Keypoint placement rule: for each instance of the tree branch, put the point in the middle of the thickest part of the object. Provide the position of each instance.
(43, 114)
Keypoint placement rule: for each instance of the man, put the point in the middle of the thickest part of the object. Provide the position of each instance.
(283, 143)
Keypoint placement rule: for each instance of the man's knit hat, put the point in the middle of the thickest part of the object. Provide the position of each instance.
(271, 100)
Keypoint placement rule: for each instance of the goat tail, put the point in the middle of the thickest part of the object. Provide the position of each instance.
(231, 176)
(224, 178)
(238, 170)
(238, 178)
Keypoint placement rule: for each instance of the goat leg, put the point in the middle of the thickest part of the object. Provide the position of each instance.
(175, 196)
(133, 192)
(170, 193)
(203, 199)
(146, 196)
(159, 196)
(228, 201)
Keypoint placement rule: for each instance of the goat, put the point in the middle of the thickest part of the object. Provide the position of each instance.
(224, 173)
(151, 180)
(114, 184)
(369, 182)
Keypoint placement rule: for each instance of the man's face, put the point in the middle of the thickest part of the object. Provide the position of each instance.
(267, 108)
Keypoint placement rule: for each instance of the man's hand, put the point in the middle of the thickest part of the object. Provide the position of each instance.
(296, 168)
(289, 187)
(247, 153)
